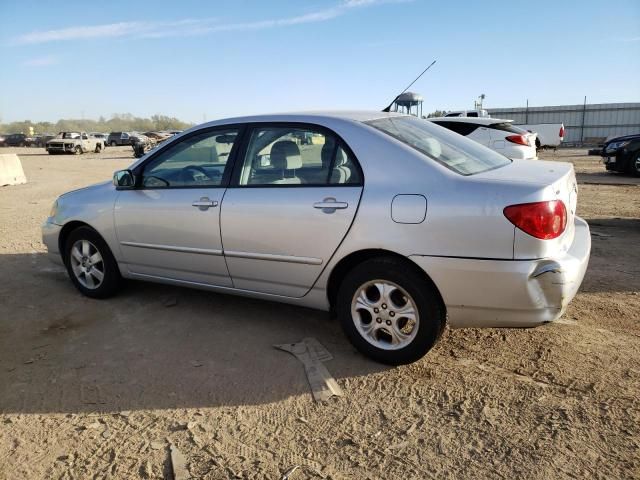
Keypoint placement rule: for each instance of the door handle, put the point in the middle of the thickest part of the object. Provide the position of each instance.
(329, 205)
(204, 203)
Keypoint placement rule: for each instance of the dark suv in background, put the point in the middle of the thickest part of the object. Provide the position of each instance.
(118, 138)
(15, 140)
(622, 154)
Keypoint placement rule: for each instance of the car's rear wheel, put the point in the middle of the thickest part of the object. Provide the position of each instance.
(389, 311)
(634, 165)
(90, 264)
(113, 144)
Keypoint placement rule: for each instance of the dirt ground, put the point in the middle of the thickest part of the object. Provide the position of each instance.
(100, 389)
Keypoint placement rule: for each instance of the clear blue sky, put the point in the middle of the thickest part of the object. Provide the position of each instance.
(213, 59)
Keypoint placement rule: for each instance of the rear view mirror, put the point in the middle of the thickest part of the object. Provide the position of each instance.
(123, 179)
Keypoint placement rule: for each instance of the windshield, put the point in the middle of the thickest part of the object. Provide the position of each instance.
(70, 135)
(455, 152)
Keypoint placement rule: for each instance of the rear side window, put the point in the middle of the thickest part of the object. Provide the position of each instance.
(472, 114)
(459, 154)
(297, 156)
(461, 128)
(507, 127)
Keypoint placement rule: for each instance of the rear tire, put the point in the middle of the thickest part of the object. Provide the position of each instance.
(389, 311)
(98, 148)
(113, 144)
(90, 264)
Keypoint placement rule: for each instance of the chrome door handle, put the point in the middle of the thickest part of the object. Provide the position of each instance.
(329, 205)
(204, 203)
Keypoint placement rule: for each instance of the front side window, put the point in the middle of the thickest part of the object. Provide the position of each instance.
(297, 156)
(198, 160)
(455, 152)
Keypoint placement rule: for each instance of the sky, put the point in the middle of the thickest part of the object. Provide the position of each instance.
(204, 60)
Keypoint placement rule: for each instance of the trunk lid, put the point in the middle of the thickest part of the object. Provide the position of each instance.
(551, 181)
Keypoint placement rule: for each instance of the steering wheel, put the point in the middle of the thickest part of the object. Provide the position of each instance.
(187, 174)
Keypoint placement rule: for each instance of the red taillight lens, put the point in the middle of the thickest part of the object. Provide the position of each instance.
(544, 220)
(519, 139)
(561, 132)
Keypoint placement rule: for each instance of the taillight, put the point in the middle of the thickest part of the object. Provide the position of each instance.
(544, 220)
(561, 132)
(519, 139)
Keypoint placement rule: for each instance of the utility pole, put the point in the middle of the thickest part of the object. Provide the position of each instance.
(584, 113)
(526, 113)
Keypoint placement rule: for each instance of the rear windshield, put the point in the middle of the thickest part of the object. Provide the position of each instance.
(455, 152)
(507, 127)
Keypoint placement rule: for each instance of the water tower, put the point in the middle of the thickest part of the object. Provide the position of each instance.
(409, 103)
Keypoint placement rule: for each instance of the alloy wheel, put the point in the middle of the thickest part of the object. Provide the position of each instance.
(87, 264)
(385, 314)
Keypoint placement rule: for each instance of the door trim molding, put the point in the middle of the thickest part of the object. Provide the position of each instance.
(274, 258)
(172, 248)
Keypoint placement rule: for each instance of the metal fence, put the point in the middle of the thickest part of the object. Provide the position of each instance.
(584, 124)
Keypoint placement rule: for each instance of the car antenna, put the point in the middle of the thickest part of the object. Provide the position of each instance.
(408, 86)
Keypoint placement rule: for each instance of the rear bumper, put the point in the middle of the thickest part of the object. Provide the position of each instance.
(50, 237)
(509, 293)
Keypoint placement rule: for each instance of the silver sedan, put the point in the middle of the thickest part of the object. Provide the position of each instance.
(393, 223)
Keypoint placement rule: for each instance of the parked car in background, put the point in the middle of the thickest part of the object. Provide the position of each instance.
(118, 138)
(549, 135)
(622, 154)
(3, 136)
(16, 140)
(448, 230)
(74, 142)
(499, 135)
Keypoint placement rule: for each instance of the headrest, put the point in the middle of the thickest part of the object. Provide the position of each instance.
(432, 147)
(327, 151)
(285, 155)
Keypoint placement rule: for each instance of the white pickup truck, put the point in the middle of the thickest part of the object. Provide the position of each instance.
(74, 142)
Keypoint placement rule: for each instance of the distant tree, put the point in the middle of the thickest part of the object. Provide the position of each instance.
(119, 122)
(437, 113)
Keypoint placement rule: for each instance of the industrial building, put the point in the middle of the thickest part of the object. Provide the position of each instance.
(584, 124)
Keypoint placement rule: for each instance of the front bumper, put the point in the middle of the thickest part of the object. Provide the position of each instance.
(50, 237)
(509, 293)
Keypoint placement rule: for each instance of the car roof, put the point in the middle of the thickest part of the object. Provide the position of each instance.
(480, 120)
(319, 116)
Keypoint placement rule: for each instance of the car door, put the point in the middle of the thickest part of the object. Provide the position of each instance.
(293, 197)
(169, 225)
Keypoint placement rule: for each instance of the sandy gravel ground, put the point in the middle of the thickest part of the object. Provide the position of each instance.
(100, 389)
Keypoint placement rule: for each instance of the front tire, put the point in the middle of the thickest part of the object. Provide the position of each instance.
(98, 148)
(634, 165)
(389, 311)
(90, 264)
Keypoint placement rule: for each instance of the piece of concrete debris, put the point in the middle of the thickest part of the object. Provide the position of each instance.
(156, 445)
(170, 302)
(178, 464)
(312, 353)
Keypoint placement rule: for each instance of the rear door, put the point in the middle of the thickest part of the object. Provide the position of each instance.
(294, 194)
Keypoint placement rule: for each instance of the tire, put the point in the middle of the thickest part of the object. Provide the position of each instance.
(87, 280)
(407, 290)
(77, 150)
(113, 144)
(634, 165)
(98, 148)
(538, 144)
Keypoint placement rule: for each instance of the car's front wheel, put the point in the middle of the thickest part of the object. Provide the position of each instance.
(90, 264)
(389, 311)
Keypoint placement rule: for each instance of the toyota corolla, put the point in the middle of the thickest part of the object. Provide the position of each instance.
(396, 225)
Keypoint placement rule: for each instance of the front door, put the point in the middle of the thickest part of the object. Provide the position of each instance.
(169, 226)
(292, 200)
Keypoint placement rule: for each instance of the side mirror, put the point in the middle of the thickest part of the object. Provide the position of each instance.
(123, 179)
